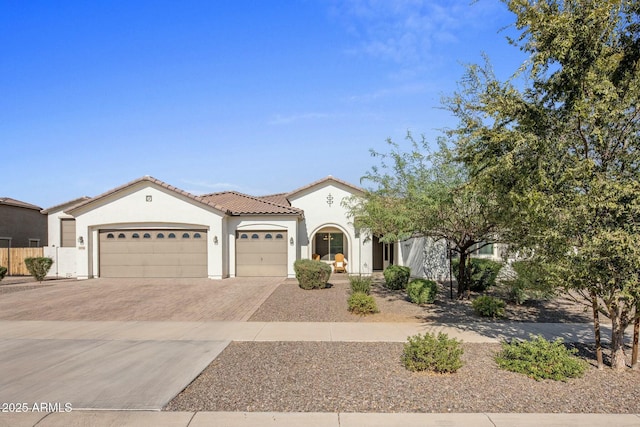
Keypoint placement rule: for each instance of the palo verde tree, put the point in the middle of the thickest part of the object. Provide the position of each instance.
(419, 193)
(562, 148)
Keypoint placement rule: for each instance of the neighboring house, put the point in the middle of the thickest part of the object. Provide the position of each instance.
(147, 228)
(21, 224)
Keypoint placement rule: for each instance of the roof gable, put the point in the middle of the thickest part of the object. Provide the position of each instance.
(65, 205)
(17, 203)
(323, 182)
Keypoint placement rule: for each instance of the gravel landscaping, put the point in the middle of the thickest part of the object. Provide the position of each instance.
(369, 377)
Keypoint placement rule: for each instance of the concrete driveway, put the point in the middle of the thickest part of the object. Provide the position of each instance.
(139, 299)
(90, 369)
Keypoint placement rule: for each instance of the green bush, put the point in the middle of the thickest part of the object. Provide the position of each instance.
(487, 306)
(422, 291)
(396, 277)
(360, 284)
(312, 274)
(541, 359)
(531, 282)
(427, 352)
(3, 272)
(361, 303)
(38, 267)
(482, 273)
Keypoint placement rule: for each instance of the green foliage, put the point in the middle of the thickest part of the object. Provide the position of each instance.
(361, 303)
(422, 291)
(532, 281)
(360, 284)
(427, 352)
(481, 273)
(38, 267)
(312, 274)
(488, 306)
(396, 277)
(3, 272)
(541, 359)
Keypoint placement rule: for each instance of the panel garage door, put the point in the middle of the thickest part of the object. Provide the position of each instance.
(153, 253)
(261, 253)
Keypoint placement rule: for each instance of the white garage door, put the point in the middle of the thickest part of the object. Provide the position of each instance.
(261, 253)
(153, 253)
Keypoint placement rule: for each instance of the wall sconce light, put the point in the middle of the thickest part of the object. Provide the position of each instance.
(215, 240)
(80, 240)
(291, 241)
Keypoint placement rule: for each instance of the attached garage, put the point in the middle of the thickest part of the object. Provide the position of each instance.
(153, 253)
(261, 253)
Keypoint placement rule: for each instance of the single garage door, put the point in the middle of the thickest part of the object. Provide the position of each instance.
(261, 253)
(153, 253)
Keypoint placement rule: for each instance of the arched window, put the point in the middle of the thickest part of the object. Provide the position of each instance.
(255, 236)
(146, 236)
(196, 235)
(135, 236)
(279, 236)
(121, 236)
(172, 236)
(244, 236)
(160, 236)
(327, 245)
(110, 236)
(185, 235)
(268, 236)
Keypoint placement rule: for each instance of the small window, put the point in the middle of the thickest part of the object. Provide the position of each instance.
(110, 236)
(268, 236)
(146, 236)
(172, 236)
(197, 236)
(121, 236)
(244, 236)
(135, 236)
(34, 243)
(160, 236)
(255, 236)
(279, 236)
(185, 235)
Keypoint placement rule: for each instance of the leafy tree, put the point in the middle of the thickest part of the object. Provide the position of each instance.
(423, 193)
(561, 147)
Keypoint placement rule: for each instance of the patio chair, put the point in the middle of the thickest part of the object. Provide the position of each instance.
(340, 265)
(315, 257)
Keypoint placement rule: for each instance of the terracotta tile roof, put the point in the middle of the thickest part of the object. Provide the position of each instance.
(322, 181)
(279, 199)
(243, 204)
(13, 202)
(154, 181)
(62, 206)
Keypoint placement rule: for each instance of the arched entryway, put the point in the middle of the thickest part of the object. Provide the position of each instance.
(329, 241)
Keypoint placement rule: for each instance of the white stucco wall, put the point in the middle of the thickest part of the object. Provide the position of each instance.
(262, 223)
(54, 228)
(64, 261)
(129, 208)
(322, 205)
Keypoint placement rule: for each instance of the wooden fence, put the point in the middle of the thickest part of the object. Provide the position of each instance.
(13, 259)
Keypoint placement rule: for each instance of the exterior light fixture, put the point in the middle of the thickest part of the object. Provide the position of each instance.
(291, 241)
(80, 240)
(215, 240)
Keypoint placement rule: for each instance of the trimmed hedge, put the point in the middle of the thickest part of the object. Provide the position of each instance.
(487, 306)
(361, 303)
(396, 277)
(422, 291)
(312, 274)
(38, 267)
(482, 273)
(429, 352)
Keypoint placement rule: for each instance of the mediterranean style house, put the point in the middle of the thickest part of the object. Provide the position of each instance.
(147, 228)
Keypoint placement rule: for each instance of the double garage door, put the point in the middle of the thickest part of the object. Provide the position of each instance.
(261, 253)
(153, 253)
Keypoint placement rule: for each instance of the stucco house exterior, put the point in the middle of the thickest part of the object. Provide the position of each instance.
(21, 224)
(148, 228)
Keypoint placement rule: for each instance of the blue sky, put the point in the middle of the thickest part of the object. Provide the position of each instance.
(259, 96)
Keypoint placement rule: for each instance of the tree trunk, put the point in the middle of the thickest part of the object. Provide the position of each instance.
(618, 358)
(596, 327)
(636, 334)
(462, 275)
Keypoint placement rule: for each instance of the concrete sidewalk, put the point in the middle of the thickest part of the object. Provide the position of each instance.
(312, 419)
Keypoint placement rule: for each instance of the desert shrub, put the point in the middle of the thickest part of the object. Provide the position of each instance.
(487, 306)
(360, 284)
(38, 267)
(312, 274)
(361, 303)
(531, 281)
(3, 272)
(422, 291)
(396, 277)
(427, 352)
(541, 359)
(482, 273)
